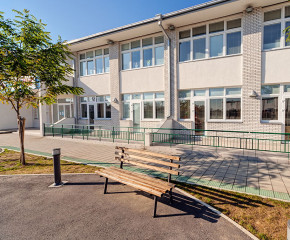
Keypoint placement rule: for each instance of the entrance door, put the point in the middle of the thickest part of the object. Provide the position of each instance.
(92, 114)
(60, 112)
(199, 110)
(287, 118)
(136, 115)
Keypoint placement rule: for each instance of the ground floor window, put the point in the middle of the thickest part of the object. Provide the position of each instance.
(64, 108)
(96, 107)
(222, 103)
(270, 108)
(152, 105)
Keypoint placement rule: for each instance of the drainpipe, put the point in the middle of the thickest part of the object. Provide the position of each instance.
(159, 17)
(75, 84)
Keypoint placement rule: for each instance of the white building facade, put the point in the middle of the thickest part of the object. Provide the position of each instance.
(222, 65)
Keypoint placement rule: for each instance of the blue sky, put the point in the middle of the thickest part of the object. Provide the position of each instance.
(78, 18)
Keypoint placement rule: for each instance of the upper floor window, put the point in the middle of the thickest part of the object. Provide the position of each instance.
(211, 40)
(143, 53)
(275, 22)
(94, 62)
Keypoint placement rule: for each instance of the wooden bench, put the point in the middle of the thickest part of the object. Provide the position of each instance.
(143, 159)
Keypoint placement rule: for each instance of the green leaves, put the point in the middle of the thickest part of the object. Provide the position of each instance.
(27, 56)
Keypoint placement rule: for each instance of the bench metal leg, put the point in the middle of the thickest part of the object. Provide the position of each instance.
(170, 196)
(155, 206)
(106, 184)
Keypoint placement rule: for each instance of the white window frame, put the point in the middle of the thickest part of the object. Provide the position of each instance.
(141, 49)
(95, 103)
(103, 56)
(207, 38)
(282, 20)
(278, 95)
(142, 101)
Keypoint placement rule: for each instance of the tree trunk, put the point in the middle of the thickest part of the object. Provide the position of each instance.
(21, 129)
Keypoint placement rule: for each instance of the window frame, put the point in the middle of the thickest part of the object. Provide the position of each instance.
(278, 95)
(207, 37)
(141, 49)
(283, 20)
(142, 100)
(95, 103)
(94, 59)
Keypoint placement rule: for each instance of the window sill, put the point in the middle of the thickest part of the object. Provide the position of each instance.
(271, 122)
(276, 49)
(140, 68)
(224, 121)
(92, 75)
(211, 58)
(152, 120)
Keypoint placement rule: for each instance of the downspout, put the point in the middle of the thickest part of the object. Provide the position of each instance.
(75, 84)
(159, 16)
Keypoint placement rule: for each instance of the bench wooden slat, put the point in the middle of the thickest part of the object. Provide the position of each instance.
(137, 181)
(174, 165)
(141, 175)
(139, 178)
(129, 183)
(160, 169)
(176, 158)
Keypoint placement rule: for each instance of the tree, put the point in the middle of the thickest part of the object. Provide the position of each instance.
(28, 58)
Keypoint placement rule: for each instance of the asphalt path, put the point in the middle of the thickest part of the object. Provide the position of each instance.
(29, 209)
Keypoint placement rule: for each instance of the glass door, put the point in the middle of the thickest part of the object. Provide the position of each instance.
(199, 116)
(60, 112)
(287, 118)
(136, 115)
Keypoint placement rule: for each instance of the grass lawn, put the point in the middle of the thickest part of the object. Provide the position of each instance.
(9, 164)
(265, 218)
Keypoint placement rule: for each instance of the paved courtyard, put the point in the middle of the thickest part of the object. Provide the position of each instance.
(262, 173)
(79, 210)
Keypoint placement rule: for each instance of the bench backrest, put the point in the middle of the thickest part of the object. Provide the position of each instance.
(150, 160)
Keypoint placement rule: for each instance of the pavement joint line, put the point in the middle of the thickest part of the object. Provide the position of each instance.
(219, 213)
(228, 187)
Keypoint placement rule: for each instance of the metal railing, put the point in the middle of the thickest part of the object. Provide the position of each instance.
(258, 141)
(128, 134)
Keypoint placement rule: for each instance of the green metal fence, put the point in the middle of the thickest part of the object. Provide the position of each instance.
(128, 134)
(259, 141)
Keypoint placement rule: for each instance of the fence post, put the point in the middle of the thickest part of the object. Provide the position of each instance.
(62, 131)
(52, 130)
(113, 134)
(44, 129)
(87, 132)
(72, 131)
(128, 134)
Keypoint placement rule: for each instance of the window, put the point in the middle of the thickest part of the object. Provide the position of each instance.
(63, 109)
(184, 104)
(153, 105)
(275, 22)
(222, 38)
(94, 62)
(272, 36)
(216, 108)
(184, 109)
(143, 53)
(234, 43)
(36, 113)
(216, 45)
(225, 104)
(270, 108)
(184, 51)
(103, 106)
(233, 108)
(270, 96)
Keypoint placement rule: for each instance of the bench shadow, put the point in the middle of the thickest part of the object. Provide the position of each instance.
(186, 205)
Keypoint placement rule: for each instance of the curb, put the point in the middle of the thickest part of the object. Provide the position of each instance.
(219, 213)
